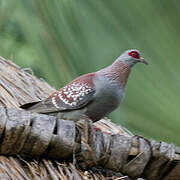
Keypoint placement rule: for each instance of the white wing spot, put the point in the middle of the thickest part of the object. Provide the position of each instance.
(72, 94)
(54, 102)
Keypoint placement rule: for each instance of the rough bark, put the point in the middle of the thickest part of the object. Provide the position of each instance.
(102, 146)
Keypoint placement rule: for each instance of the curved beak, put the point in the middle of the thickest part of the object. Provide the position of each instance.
(143, 60)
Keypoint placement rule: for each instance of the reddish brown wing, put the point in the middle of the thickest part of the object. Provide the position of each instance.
(75, 95)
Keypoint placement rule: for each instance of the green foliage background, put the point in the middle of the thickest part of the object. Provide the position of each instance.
(62, 39)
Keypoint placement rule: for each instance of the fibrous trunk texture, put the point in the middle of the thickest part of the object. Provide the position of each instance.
(37, 146)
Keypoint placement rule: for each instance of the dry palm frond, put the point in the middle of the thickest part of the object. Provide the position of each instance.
(103, 148)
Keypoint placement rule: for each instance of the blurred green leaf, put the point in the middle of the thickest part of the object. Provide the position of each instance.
(62, 39)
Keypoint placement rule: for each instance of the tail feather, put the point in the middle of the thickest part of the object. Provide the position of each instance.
(28, 106)
(42, 107)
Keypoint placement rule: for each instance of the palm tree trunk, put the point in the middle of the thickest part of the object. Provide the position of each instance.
(103, 148)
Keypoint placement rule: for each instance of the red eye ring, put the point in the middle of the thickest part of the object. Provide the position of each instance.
(134, 54)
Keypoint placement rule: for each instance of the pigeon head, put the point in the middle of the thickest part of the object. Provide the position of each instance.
(132, 57)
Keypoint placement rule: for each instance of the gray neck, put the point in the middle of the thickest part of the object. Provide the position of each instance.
(118, 72)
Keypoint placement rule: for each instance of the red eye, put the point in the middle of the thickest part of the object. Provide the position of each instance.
(134, 54)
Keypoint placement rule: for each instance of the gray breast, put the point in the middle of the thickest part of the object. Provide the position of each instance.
(108, 97)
